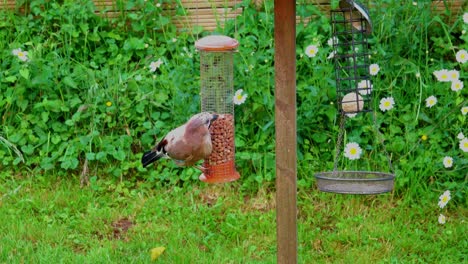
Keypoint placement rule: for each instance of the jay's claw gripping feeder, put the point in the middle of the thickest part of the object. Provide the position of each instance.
(351, 26)
(217, 84)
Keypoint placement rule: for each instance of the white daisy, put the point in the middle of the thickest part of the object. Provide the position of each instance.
(16, 51)
(332, 40)
(460, 135)
(444, 199)
(442, 219)
(464, 110)
(431, 101)
(453, 75)
(365, 87)
(448, 162)
(464, 144)
(352, 151)
(239, 98)
(155, 65)
(311, 50)
(442, 75)
(332, 54)
(461, 56)
(457, 85)
(374, 69)
(386, 104)
(22, 55)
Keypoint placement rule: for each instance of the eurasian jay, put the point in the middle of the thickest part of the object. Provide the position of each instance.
(186, 144)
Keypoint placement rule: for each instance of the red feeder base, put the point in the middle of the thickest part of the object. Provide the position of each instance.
(224, 172)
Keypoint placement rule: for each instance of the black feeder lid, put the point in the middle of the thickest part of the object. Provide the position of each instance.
(356, 19)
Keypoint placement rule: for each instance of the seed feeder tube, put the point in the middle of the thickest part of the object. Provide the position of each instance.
(217, 93)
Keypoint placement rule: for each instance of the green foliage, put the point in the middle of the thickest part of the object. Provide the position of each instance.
(87, 92)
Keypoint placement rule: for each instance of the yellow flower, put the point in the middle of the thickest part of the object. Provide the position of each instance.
(424, 137)
(109, 103)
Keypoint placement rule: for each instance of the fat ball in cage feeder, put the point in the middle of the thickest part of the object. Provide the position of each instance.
(216, 93)
(351, 27)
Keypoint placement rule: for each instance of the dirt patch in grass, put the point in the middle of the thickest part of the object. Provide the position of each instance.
(120, 228)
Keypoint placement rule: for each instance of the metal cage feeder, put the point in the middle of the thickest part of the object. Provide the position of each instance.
(351, 26)
(216, 92)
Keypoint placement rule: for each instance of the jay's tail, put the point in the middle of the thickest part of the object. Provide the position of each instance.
(150, 157)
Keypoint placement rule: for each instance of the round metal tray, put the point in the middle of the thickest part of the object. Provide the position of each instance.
(355, 182)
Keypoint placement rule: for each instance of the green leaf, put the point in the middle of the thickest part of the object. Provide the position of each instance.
(134, 44)
(119, 155)
(11, 79)
(69, 82)
(90, 156)
(69, 163)
(56, 139)
(24, 73)
(319, 137)
(28, 149)
(114, 36)
(101, 156)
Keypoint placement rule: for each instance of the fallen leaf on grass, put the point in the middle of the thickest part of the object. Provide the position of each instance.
(156, 252)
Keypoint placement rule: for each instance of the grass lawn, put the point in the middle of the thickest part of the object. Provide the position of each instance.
(50, 220)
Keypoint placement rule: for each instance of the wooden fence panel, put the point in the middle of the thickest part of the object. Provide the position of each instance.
(211, 13)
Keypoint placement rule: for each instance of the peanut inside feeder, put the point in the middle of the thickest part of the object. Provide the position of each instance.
(216, 81)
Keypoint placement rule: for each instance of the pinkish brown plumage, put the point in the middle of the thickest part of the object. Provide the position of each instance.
(185, 144)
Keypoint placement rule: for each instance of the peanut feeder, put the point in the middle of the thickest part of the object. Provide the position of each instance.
(216, 93)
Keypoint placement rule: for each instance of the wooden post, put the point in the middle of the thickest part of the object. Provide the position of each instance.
(285, 123)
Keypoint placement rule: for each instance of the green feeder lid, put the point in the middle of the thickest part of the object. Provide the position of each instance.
(216, 43)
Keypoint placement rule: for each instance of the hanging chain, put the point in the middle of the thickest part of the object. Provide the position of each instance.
(339, 141)
(381, 140)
